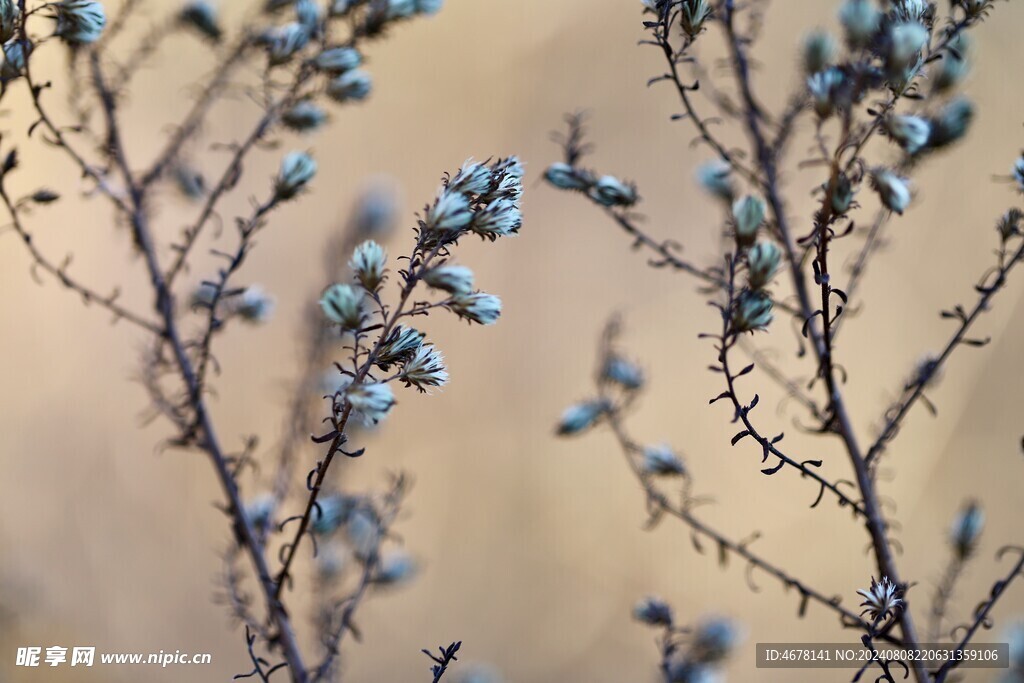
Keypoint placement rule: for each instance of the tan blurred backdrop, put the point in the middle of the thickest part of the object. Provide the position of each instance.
(532, 548)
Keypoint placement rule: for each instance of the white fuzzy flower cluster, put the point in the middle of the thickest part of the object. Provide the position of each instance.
(481, 199)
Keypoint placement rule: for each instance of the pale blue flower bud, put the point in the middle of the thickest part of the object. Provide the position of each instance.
(343, 305)
(297, 169)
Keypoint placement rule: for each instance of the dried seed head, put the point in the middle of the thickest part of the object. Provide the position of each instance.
(661, 460)
(880, 600)
(429, 7)
(372, 401)
(402, 342)
(425, 369)
(284, 42)
(653, 611)
(582, 416)
(354, 85)
(79, 22)
(692, 15)
(472, 178)
(819, 51)
(825, 88)
(202, 16)
(14, 60)
(893, 190)
(610, 191)
(450, 278)
(716, 178)
(966, 530)
(304, 116)
(343, 305)
(762, 262)
(952, 67)
(255, 305)
(906, 40)
(478, 307)
(451, 211)
(910, 132)
(751, 311)
(368, 263)
(499, 218)
(860, 20)
(748, 215)
(297, 169)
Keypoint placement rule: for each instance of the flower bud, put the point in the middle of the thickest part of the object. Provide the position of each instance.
(910, 132)
(692, 15)
(819, 51)
(860, 21)
(824, 88)
(309, 14)
(425, 369)
(499, 218)
(762, 262)
(338, 60)
(951, 123)
(473, 178)
(892, 189)
(343, 305)
(582, 416)
(350, 86)
(304, 116)
(479, 307)
(653, 612)
(368, 261)
(297, 169)
(451, 211)
(626, 374)
(79, 21)
(202, 16)
(751, 311)
(14, 60)
(906, 40)
(255, 305)
(716, 179)
(400, 344)
(9, 15)
(748, 215)
(966, 530)
(610, 191)
(661, 460)
(450, 278)
(842, 195)
(395, 568)
(283, 42)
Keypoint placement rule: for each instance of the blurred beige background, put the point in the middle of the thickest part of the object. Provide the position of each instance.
(532, 548)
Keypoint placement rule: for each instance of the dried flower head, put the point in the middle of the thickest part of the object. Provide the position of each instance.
(819, 51)
(255, 305)
(79, 22)
(353, 85)
(297, 169)
(762, 262)
(304, 116)
(372, 401)
(906, 40)
(662, 460)
(337, 60)
(401, 343)
(910, 132)
(9, 15)
(860, 20)
(748, 215)
(714, 639)
(451, 211)
(893, 190)
(473, 178)
(716, 178)
(450, 278)
(499, 218)
(425, 369)
(692, 15)
(396, 568)
(751, 311)
(880, 600)
(610, 191)
(343, 305)
(284, 42)
(565, 177)
(824, 88)
(653, 611)
(582, 416)
(368, 263)
(951, 123)
(622, 372)
(477, 307)
(966, 530)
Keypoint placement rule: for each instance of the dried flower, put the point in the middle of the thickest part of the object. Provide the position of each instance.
(625, 373)
(824, 88)
(343, 305)
(748, 215)
(906, 40)
(662, 460)
(255, 305)
(304, 116)
(860, 21)
(692, 15)
(368, 262)
(610, 191)
(338, 60)
(331, 512)
(401, 343)
(472, 178)
(565, 177)
(499, 218)
(9, 15)
(910, 10)
(297, 169)
(714, 639)
(283, 42)
(892, 189)
(1009, 223)
(910, 132)
(819, 51)
(966, 530)
(395, 568)
(351, 85)
(260, 511)
(716, 178)
(14, 60)
(751, 311)
(653, 612)
(451, 211)
(477, 307)
(880, 600)
(450, 278)
(79, 21)
(582, 416)
(372, 401)
(953, 65)
(842, 195)
(762, 262)
(309, 14)
(202, 16)
(425, 369)
(951, 123)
